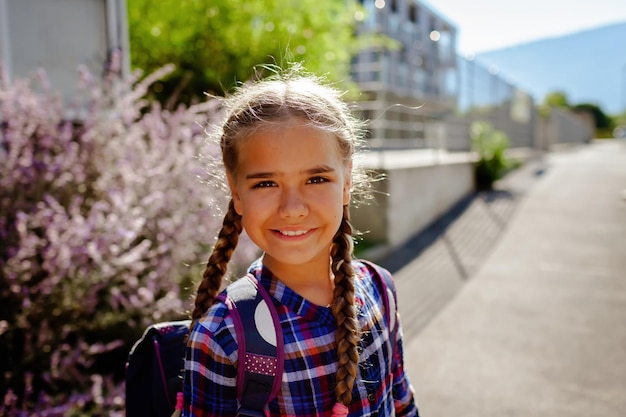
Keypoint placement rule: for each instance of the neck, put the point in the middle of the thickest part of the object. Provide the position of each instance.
(312, 282)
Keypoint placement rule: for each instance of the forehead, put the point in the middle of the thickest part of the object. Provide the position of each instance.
(289, 149)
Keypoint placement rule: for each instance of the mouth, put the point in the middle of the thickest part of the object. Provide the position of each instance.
(293, 233)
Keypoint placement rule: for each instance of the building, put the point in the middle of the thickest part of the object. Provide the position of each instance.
(60, 35)
(410, 82)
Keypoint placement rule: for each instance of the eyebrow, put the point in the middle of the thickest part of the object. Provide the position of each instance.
(319, 169)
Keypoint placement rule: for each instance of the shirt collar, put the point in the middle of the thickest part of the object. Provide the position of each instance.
(292, 301)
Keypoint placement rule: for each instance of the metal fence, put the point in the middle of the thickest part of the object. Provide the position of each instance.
(485, 94)
(400, 118)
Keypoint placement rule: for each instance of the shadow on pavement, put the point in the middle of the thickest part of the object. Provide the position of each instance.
(489, 203)
(432, 267)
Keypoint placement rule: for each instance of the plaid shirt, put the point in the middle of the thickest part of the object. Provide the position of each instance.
(381, 388)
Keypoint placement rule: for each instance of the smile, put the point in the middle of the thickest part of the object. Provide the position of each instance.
(293, 232)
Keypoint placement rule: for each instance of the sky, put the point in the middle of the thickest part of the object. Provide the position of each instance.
(486, 25)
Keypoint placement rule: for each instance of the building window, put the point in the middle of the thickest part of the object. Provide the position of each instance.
(413, 13)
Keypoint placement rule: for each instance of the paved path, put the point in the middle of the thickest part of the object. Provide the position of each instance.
(518, 305)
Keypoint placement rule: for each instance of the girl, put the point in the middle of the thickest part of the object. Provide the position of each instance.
(288, 145)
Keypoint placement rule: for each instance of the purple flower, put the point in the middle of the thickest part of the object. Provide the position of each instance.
(107, 215)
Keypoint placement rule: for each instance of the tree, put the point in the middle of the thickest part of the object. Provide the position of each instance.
(217, 43)
(601, 119)
(556, 99)
(559, 99)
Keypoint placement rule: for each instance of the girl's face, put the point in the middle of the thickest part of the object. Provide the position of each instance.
(290, 190)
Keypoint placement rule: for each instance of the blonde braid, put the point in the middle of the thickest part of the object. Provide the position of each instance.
(217, 264)
(343, 308)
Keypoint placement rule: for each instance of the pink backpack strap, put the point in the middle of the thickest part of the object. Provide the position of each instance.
(261, 344)
(384, 282)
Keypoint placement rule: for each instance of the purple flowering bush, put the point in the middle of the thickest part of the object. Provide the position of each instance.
(107, 215)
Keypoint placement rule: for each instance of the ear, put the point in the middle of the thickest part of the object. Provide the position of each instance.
(347, 185)
(235, 194)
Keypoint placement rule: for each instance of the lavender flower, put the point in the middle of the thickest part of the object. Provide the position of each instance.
(104, 226)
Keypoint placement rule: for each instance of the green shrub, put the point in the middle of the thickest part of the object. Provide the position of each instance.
(490, 145)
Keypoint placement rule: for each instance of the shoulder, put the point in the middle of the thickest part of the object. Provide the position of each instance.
(378, 279)
(216, 330)
(368, 277)
(369, 270)
(381, 282)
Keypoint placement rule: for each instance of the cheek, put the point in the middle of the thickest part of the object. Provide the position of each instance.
(252, 224)
(337, 208)
(255, 210)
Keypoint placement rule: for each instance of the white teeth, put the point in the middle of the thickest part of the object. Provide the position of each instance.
(293, 232)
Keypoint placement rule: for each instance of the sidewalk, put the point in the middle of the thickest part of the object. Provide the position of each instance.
(518, 306)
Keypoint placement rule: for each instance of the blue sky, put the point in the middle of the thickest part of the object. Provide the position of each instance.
(484, 25)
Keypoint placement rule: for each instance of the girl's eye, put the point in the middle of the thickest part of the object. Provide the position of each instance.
(317, 180)
(264, 184)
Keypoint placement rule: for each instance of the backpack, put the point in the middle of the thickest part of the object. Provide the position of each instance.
(154, 369)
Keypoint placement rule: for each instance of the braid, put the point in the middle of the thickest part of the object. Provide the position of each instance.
(218, 262)
(344, 310)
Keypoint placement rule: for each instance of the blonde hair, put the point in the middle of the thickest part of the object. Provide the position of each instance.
(275, 102)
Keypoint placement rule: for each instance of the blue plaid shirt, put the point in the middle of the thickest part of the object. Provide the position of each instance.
(381, 388)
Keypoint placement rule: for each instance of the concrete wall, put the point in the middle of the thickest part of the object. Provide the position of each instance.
(60, 35)
(452, 133)
(411, 197)
(563, 127)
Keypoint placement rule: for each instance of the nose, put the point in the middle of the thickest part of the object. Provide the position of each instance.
(293, 204)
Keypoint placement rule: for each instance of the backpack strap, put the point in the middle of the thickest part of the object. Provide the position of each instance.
(384, 282)
(261, 345)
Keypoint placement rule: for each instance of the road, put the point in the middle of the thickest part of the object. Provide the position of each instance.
(515, 304)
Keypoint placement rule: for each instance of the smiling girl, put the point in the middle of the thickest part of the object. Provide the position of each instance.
(288, 145)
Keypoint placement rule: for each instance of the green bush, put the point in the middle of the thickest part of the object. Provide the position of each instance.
(490, 145)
